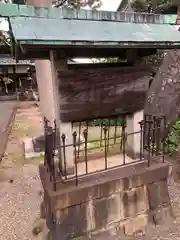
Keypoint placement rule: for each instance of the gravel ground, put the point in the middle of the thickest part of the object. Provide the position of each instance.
(19, 203)
(20, 189)
(20, 185)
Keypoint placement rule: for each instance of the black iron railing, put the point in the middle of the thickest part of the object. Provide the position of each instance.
(99, 146)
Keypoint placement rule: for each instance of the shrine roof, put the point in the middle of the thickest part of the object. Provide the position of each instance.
(39, 28)
(15, 10)
(64, 32)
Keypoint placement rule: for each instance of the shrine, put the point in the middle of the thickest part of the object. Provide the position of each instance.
(104, 167)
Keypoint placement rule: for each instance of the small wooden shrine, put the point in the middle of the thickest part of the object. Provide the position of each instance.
(84, 92)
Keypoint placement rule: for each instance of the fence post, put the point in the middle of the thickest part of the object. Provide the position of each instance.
(134, 134)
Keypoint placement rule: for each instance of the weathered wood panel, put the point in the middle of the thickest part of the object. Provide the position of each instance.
(91, 93)
(164, 94)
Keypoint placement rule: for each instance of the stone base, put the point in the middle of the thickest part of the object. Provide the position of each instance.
(33, 149)
(122, 201)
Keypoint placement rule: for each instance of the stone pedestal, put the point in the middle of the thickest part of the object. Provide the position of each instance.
(123, 200)
(134, 141)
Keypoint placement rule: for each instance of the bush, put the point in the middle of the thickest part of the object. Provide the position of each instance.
(106, 122)
(173, 140)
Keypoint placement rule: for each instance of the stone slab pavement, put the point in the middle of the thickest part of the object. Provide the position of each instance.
(7, 113)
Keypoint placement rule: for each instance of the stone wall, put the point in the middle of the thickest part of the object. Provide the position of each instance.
(123, 200)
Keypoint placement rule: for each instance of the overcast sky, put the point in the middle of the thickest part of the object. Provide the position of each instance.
(110, 5)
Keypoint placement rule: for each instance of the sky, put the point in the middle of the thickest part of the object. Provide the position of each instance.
(110, 5)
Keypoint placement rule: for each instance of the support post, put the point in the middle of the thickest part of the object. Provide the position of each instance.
(44, 78)
(49, 96)
(134, 141)
(178, 14)
(60, 65)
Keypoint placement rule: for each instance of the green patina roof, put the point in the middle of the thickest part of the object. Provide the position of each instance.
(62, 27)
(63, 31)
(14, 10)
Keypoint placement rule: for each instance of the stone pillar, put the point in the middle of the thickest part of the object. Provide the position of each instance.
(60, 65)
(44, 78)
(134, 142)
(178, 14)
(49, 95)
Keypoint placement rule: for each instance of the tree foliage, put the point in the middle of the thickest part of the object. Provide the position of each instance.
(155, 6)
(93, 4)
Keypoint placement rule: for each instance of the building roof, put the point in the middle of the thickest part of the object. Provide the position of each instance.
(39, 27)
(7, 60)
(39, 31)
(14, 10)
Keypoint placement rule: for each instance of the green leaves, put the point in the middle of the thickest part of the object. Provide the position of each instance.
(79, 3)
(173, 140)
(158, 6)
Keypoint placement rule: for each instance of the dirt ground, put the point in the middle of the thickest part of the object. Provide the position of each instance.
(21, 189)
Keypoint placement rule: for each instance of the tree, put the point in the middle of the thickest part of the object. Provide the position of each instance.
(93, 4)
(68, 3)
(155, 6)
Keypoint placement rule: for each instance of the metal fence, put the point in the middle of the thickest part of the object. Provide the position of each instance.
(99, 145)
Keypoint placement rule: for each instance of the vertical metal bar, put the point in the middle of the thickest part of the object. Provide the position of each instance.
(75, 156)
(158, 125)
(153, 135)
(87, 125)
(141, 140)
(115, 130)
(148, 143)
(122, 133)
(85, 148)
(45, 142)
(101, 134)
(147, 119)
(53, 147)
(109, 125)
(163, 150)
(124, 147)
(105, 147)
(79, 136)
(63, 137)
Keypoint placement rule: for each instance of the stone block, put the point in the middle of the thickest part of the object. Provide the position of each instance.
(134, 201)
(162, 216)
(106, 211)
(135, 224)
(106, 189)
(158, 194)
(154, 173)
(71, 222)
